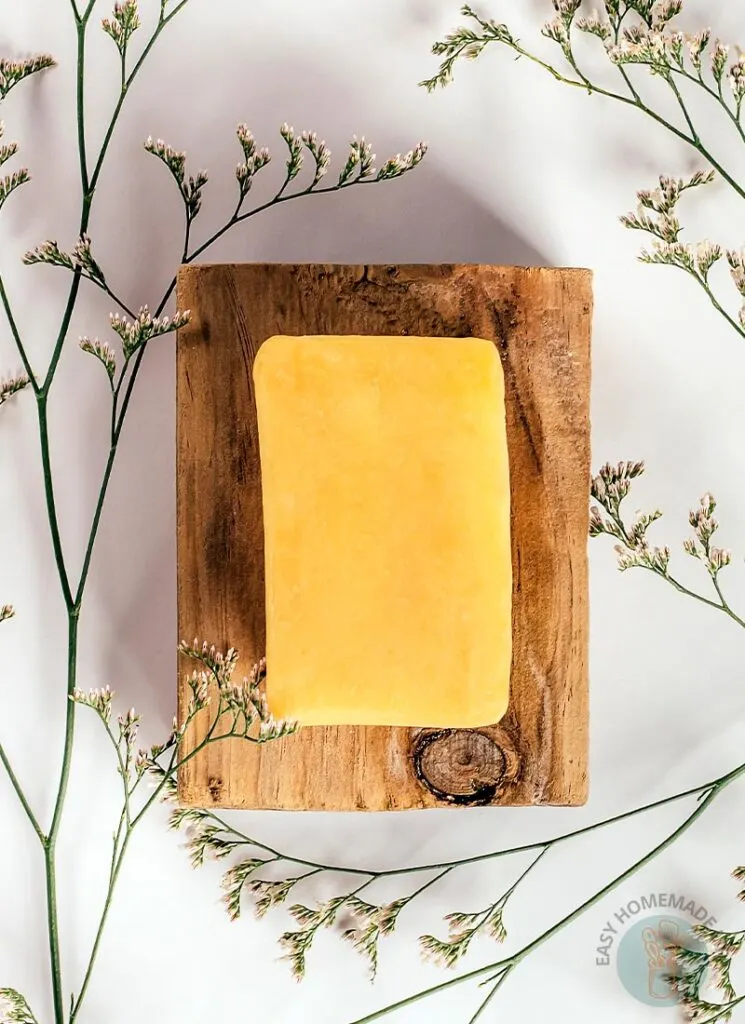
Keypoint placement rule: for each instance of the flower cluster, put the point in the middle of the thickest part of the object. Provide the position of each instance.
(361, 159)
(79, 260)
(399, 165)
(245, 702)
(191, 188)
(11, 182)
(11, 387)
(6, 612)
(296, 944)
(295, 146)
(468, 43)
(14, 71)
(235, 879)
(123, 24)
(254, 160)
(707, 967)
(699, 546)
(145, 327)
(669, 53)
(9, 149)
(373, 923)
(270, 894)
(739, 875)
(609, 488)
(656, 215)
(462, 929)
(656, 212)
(321, 155)
(104, 353)
(100, 700)
(14, 1009)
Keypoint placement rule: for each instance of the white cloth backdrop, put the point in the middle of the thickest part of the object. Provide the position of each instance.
(519, 171)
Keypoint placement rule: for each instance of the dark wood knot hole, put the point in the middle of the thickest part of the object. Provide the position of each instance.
(462, 766)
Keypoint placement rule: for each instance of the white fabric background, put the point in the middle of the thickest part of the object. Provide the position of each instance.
(519, 171)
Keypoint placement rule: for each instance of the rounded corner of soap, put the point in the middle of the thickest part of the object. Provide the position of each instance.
(267, 352)
(487, 350)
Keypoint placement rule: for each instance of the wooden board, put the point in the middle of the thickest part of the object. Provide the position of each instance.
(540, 321)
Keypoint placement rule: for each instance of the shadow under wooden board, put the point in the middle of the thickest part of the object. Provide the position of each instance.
(540, 321)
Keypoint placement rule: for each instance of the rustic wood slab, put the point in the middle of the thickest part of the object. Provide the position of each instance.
(540, 321)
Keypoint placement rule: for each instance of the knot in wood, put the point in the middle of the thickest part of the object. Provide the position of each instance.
(463, 766)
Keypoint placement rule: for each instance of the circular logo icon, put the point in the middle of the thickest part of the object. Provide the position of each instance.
(645, 961)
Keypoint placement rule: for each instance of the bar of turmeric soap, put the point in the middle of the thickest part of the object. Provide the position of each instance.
(387, 530)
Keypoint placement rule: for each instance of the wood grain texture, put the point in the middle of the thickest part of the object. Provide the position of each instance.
(540, 320)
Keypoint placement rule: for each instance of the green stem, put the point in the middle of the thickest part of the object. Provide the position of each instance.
(432, 881)
(95, 524)
(492, 992)
(516, 958)
(114, 878)
(719, 307)
(17, 336)
(51, 842)
(21, 795)
(51, 504)
(80, 93)
(723, 607)
(695, 140)
(478, 858)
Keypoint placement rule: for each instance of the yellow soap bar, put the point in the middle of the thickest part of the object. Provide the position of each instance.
(387, 529)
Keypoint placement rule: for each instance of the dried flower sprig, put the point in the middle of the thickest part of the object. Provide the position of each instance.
(495, 973)
(295, 147)
(14, 71)
(320, 153)
(122, 25)
(657, 215)
(708, 968)
(104, 353)
(463, 928)
(254, 160)
(191, 188)
(161, 762)
(243, 703)
(373, 923)
(11, 387)
(229, 708)
(610, 487)
(361, 160)
(209, 835)
(7, 611)
(145, 327)
(8, 150)
(297, 944)
(11, 182)
(14, 1009)
(79, 260)
(631, 34)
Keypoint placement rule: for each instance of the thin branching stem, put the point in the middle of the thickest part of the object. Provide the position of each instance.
(17, 336)
(719, 307)
(516, 958)
(248, 841)
(19, 791)
(491, 994)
